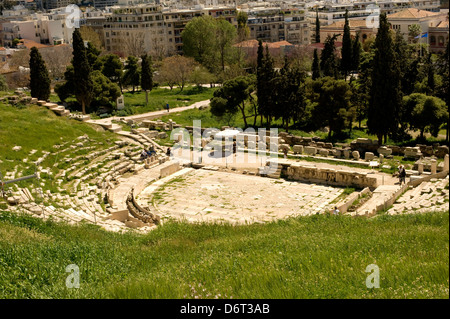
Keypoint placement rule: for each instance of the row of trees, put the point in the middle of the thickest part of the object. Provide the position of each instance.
(99, 80)
(330, 64)
(92, 79)
(383, 76)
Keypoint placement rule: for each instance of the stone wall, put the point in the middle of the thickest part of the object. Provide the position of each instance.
(348, 202)
(170, 169)
(305, 172)
(363, 146)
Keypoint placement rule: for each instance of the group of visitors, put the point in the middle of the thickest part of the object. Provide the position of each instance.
(151, 152)
(148, 153)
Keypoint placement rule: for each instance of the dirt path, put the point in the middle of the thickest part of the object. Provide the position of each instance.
(149, 115)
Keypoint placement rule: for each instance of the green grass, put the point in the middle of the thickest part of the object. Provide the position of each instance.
(37, 128)
(158, 98)
(187, 117)
(307, 257)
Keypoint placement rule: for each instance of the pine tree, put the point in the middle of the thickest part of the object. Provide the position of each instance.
(83, 83)
(346, 52)
(39, 78)
(385, 95)
(146, 75)
(288, 94)
(113, 69)
(131, 76)
(317, 27)
(92, 54)
(315, 66)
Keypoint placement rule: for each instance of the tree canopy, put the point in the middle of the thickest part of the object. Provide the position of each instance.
(209, 41)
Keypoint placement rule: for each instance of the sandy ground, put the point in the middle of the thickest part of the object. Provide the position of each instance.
(203, 195)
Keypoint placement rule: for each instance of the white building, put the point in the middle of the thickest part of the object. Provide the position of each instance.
(41, 28)
(331, 11)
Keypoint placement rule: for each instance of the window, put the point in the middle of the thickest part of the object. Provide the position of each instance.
(432, 40)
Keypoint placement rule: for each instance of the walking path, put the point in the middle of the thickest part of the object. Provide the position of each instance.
(148, 115)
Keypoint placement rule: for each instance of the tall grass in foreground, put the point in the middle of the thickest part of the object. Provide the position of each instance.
(306, 257)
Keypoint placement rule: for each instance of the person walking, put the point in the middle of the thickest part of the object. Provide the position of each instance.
(167, 107)
(401, 174)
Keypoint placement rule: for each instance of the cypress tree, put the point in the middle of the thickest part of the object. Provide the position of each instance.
(3, 84)
(146, 75)
(356, 53)
(259, 79)
(328, 60)
(265, 77)
(346, 51)
(260, 54)
(315, 66)
(317, 27)
(385, 94)
(408, 65)
(431, 83)
(39, 78)
(83, 83)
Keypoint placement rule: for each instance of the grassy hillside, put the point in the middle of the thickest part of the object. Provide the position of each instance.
(308, 257)
(37, 128)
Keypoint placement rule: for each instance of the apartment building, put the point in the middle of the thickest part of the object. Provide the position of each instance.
(53, 4)
(296, 26)
(176, 20)
(158, 28)
(273, 24)
(135, 30)
(101, 4)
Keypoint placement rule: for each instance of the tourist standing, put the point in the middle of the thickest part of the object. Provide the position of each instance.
(144, 154)
(336, 211)
(401, 174)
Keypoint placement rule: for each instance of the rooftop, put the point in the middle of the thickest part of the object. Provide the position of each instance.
(352, 23)
(412, 13)
(270, 45)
